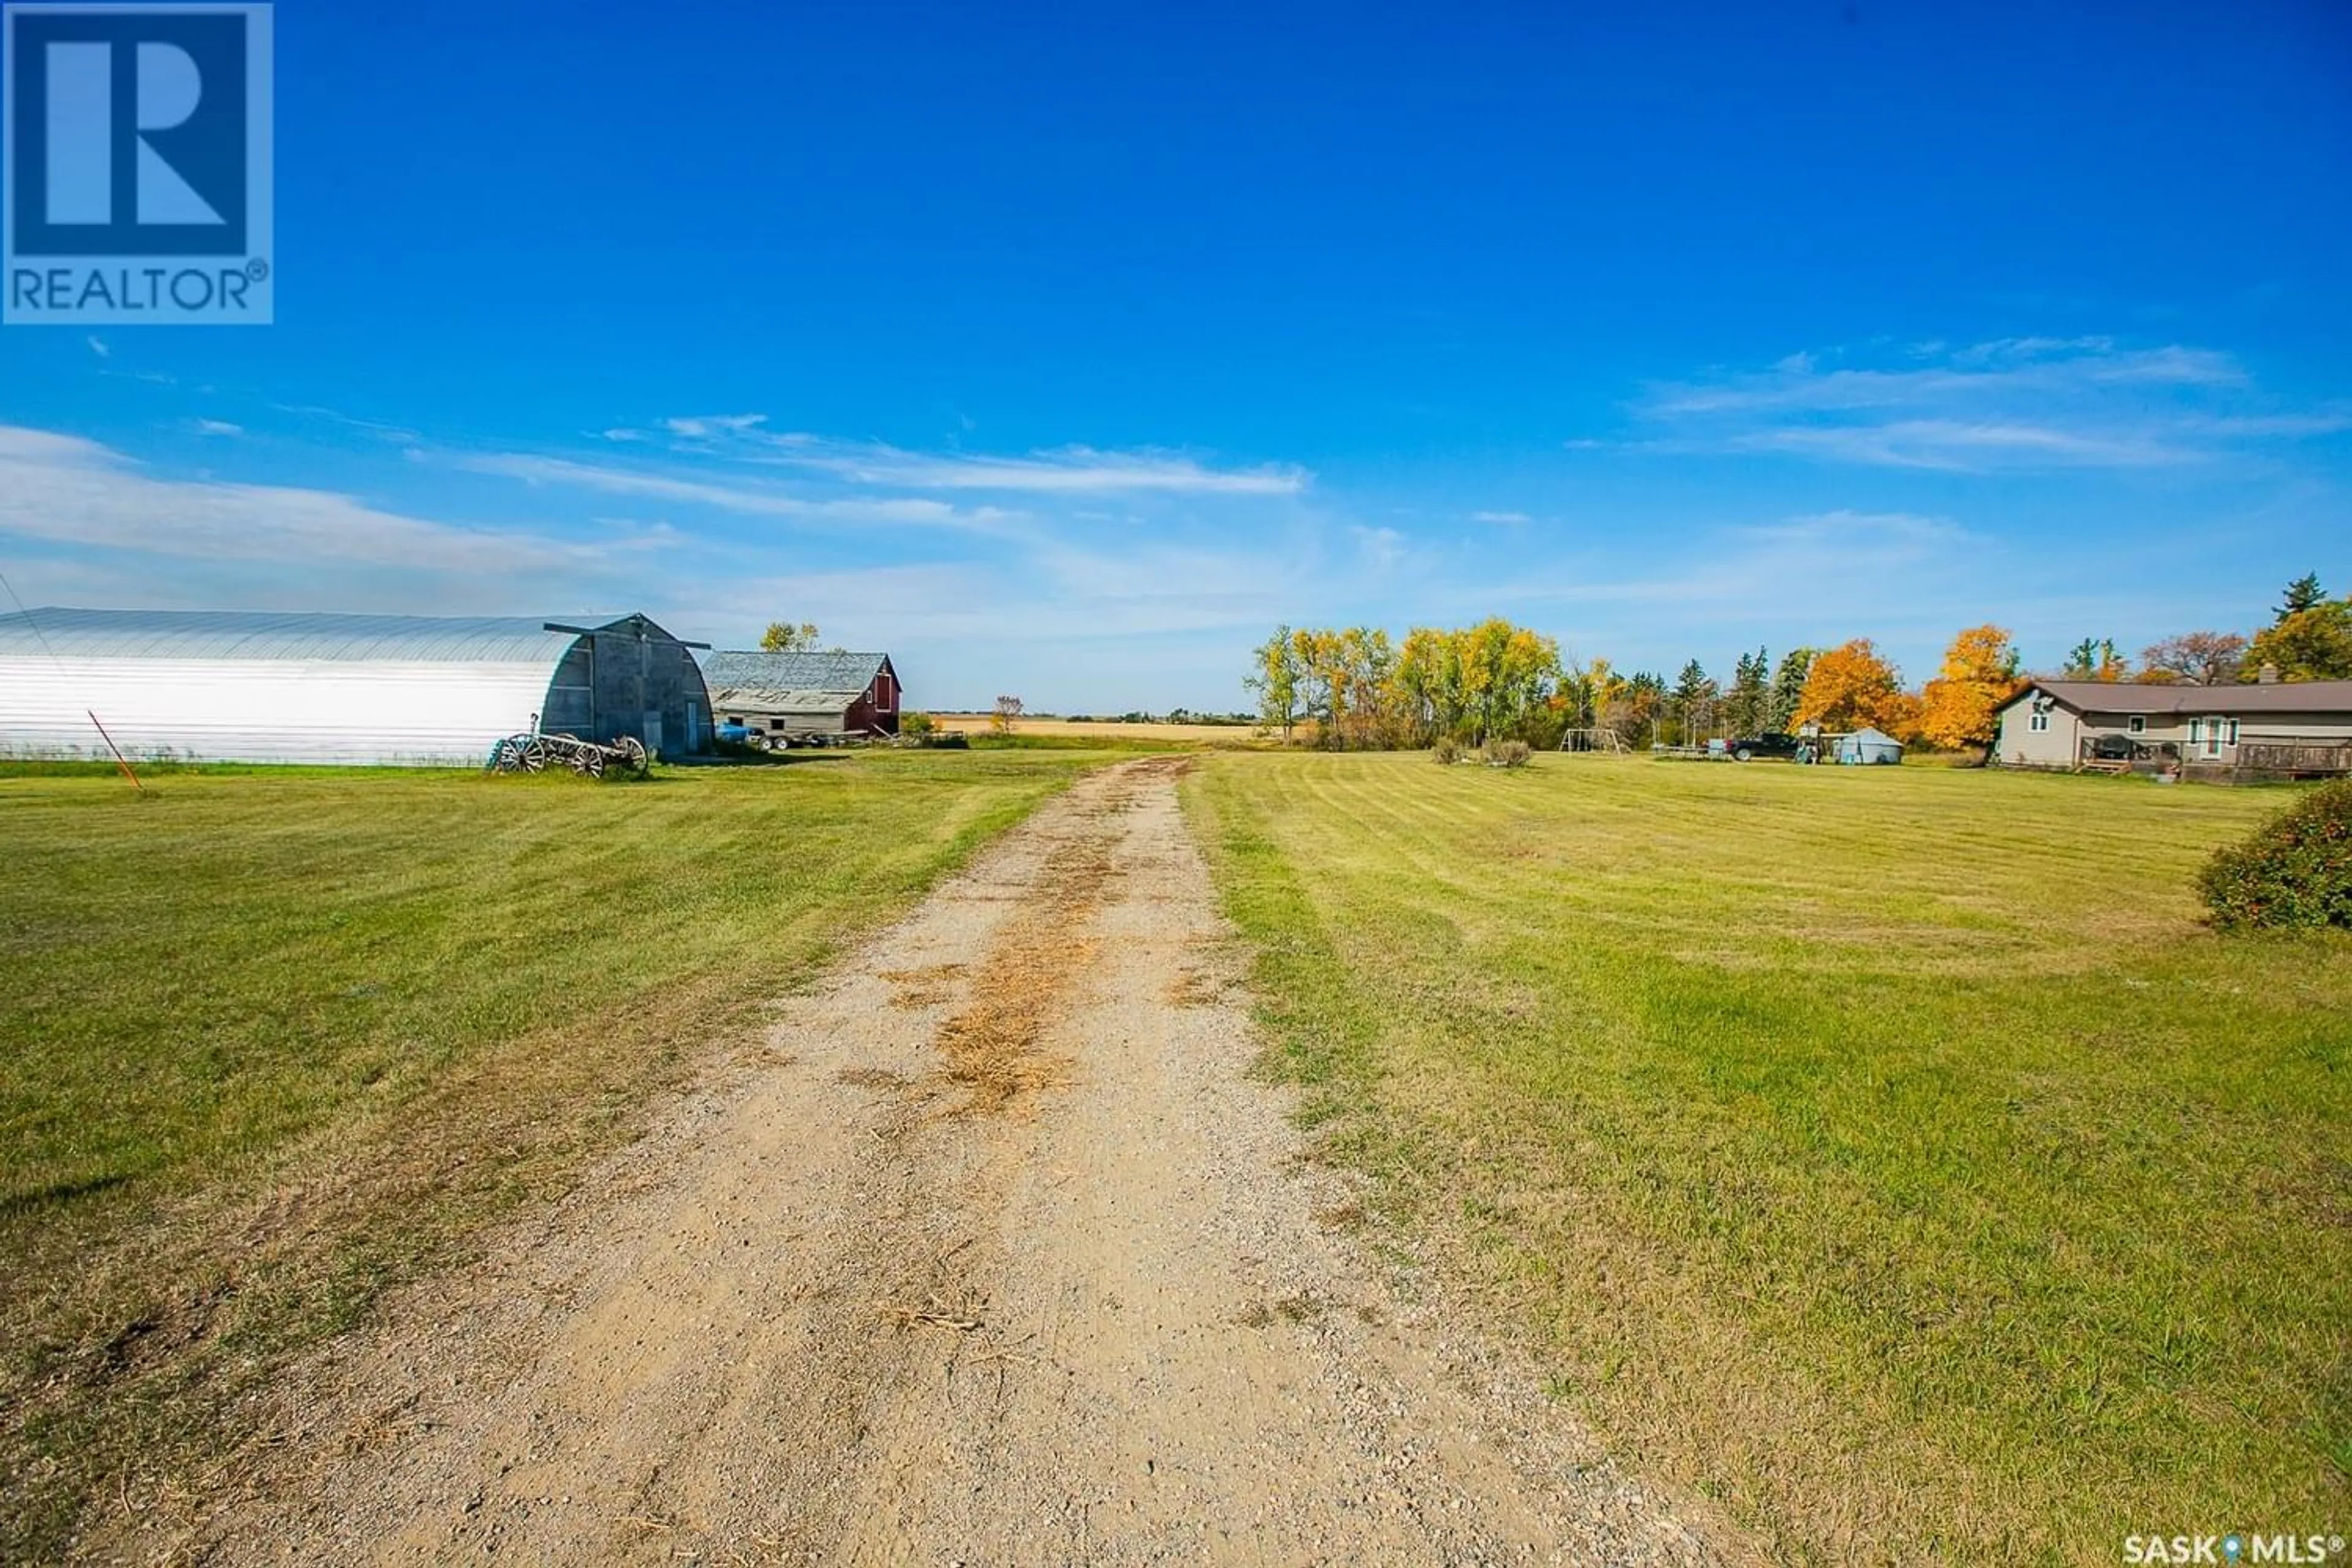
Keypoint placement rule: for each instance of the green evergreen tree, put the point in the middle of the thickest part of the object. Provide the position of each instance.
(1789, 688)
(1695, 698)
(2305, 593)
(1749, 706)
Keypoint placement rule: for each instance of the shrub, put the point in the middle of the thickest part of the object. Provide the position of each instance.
(2293, 870)
(1445, 749)
(1506, 755)
(916, 725)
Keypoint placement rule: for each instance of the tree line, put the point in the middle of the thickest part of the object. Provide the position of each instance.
(2309, 638)
(1355, 689)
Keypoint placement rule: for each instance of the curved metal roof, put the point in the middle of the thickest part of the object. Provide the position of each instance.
(239, 635)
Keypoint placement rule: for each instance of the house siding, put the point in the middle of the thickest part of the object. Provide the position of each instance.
(2062, 744)
(2022, 745)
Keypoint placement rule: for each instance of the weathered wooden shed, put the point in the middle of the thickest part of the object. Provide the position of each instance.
(804, 693)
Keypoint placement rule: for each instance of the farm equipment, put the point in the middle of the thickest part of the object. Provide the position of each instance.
(536, 753)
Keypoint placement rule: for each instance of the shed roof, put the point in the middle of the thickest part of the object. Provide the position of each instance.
(767, 699)
(2132, 697)
(266, 635)
(750, 669)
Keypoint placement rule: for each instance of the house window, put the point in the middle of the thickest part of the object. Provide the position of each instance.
(2233, 733)
(2196, 730)
(2138, 724)
(2038, 723)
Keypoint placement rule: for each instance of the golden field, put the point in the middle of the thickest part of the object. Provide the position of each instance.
(1108, 732)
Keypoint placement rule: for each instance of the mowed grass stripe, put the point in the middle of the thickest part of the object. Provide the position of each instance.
(277, 1037)
(1889, 1153)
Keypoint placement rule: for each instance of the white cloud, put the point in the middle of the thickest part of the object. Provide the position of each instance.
(375, 428)
(1951, 444)
(63, 490)
(1381, 548)
(97, 346)
(1831, 559)
(216, 427)
(1063, 470)
(1500, 517)
(706, 425)
(2021, 402)
(748, 500)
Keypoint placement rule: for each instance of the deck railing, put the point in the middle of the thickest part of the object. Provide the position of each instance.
(2295, 756)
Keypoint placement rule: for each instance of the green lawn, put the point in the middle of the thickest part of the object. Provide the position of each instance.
(273, 1038)
(1888, 1156)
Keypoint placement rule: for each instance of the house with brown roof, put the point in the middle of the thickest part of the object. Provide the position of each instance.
(2263, 729)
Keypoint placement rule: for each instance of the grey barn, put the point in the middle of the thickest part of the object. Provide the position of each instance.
(804, 693)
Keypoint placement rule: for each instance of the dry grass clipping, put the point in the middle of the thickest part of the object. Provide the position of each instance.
(992, 1046)
(923, 987)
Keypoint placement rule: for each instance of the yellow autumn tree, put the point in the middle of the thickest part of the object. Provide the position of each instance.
(1851, 687)
(1980, 673)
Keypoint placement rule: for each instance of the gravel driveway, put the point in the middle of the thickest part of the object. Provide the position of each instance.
(996, 1254)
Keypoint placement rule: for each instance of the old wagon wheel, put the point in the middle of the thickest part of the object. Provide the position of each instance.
(533, 756)
(588, 762)
(504, 757)
(632, 754)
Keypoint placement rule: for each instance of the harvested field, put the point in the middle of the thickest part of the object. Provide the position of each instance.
(1110, 732)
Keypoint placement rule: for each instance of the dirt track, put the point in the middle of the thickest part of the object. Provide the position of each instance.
(997, 1256)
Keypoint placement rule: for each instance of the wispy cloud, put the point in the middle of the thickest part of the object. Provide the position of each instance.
(1501, 516)
(1381, 548)
(1065, 470)
(2021, 402)
(216, 427)
(64, 490)
(336, 417)
(1957, 445)
(706, 425)
(97, 346)
(739, 497)
(1061, 470)
(1818, 557)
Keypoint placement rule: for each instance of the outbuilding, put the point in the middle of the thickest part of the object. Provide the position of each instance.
(401, 689)
(1867, 747)
(805, 695)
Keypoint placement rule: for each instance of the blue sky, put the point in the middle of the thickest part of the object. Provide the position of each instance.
(1064, 350)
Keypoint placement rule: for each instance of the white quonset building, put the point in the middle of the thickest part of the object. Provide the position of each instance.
(414, 690)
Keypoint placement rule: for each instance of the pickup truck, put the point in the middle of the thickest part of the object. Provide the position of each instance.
(1771, 744)
(735, 732)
